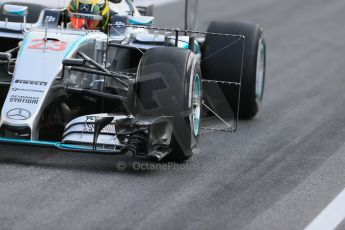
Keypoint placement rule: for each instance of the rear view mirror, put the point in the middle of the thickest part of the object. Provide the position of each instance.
(15, 10)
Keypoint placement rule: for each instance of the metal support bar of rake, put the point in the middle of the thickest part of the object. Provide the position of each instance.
(219, 130)
(126, 47)
(185, 31)
(233, 83)
(231, 130)
(214, 129)
(221, 82)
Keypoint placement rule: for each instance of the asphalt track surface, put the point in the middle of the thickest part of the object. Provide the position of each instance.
(277, 172)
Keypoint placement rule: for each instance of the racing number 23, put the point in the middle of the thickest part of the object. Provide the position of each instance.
(52, 45)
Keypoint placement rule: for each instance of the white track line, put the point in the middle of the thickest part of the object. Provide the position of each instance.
(331, 216)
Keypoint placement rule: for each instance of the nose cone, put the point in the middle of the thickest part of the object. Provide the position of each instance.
(38, 65)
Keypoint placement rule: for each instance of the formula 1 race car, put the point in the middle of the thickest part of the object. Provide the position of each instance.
(134, 88)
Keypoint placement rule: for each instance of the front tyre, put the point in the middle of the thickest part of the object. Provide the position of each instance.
(169, 84)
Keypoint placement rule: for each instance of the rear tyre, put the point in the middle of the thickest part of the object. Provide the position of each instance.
(226, 66)
(169, 84)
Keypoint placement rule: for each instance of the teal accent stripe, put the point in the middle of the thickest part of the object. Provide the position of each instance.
(24, 43)
(76, 45)
(185, 45)
(22, 141)
(44, 144)
(197, 48)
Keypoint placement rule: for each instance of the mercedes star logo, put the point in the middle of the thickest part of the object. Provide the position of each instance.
(18, 114)
(84, 7)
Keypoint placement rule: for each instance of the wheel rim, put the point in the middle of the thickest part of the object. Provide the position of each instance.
(260, 70)
(196, 103)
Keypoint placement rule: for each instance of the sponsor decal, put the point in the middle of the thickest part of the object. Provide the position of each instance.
(27, 90)
(91, 118)
(107, 129)
(90, 127)
(18, 114)
(119, 24)
(24, 99)
(27, 82)
(50, 19)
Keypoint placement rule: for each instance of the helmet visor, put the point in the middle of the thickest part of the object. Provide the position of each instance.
(85, 21)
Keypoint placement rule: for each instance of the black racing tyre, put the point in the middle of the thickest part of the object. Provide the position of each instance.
(226, 64)
(169, 84)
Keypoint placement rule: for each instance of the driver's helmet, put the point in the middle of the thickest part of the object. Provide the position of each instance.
(89, 14)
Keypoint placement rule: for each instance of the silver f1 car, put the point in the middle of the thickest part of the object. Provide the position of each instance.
(136, 88)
